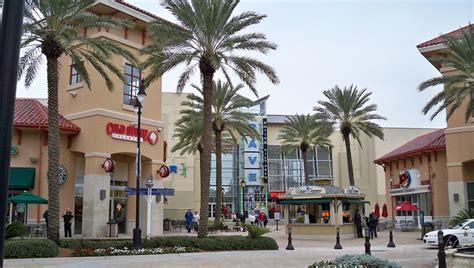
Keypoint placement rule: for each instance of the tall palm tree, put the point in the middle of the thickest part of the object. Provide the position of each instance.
(301, 132)
(347, 110)
(459, 85)
(53, 28)
(209, 39)
(228, 109)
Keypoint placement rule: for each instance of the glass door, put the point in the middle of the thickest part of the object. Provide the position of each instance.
(78, 204)
(118, 205)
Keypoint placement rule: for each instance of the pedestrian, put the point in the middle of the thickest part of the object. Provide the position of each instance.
(226, 210)
(196, 221)
(188, 217)
(272, 212)
(261, 217)
(45, 216)
(358, 224)
(265, 220)
(372, 224)
(67, 217)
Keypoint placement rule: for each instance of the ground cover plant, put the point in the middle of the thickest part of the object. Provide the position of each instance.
(360, 261)
(30, 248)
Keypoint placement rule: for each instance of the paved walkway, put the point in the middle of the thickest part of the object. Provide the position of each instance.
(409, 252)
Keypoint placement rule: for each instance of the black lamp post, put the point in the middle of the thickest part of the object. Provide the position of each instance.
(243, 184)
(441, 252)
(137, 232)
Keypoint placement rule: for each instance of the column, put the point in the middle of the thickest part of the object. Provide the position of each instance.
(95, 210)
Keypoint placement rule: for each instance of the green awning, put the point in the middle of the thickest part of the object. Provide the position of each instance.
(27, 198)
(355, 201)
(21, 178)
(304, 201)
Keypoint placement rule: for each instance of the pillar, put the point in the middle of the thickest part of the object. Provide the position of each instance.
(95, 211)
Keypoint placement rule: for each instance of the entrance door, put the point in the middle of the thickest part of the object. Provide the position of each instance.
(118, 205)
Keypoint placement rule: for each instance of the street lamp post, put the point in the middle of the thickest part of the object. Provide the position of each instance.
(243, 184)
(137, 232)
(149, 185)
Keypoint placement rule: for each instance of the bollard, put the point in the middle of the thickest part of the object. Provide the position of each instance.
(441, 253)
(290, 245)
(367, 241)
(338, 239)
(390, 236)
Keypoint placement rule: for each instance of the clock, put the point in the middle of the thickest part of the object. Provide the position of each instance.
(62, 174)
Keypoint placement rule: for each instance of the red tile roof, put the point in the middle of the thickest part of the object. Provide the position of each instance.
(433, 141)
(440, 39)
(30, 113)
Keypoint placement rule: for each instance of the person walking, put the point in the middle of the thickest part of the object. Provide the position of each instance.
(372, 224)
(67, 217)
(188, 217)
(45, 216)
(196, 221)
(265, 220)
(358, 224)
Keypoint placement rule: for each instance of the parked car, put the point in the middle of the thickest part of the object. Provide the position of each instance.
(461, 234)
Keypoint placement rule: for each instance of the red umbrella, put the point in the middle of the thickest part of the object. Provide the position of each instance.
(406, 206)
(384, 211)
(377, 210)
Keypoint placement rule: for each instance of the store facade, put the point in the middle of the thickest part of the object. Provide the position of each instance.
(102, 126)
(416, 173)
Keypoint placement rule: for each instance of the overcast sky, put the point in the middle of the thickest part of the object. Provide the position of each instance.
(371, 44)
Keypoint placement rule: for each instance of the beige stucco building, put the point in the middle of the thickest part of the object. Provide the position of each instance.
(283, 171)
(97, 124)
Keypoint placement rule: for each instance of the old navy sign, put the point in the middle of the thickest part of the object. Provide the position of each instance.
(130, 133)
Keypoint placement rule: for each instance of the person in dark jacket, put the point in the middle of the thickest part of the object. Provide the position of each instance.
(358, 224)
(67, 222)
(372, 224)
(188, 217)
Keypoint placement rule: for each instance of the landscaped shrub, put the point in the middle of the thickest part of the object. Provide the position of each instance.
(15, 229)
(30, 248)
(362, 261)
(255, 231)
(79, 252)
(191, 244)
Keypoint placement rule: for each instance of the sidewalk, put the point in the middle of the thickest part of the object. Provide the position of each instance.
(409, 252)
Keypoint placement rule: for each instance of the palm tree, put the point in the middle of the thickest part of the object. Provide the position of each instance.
(458, 86)
(303, 132)
(209, 39)
(347, 110)
(188, 131)
(228, 109)
(51, 29)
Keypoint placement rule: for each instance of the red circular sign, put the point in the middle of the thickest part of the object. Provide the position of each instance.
(108, 165)
(164, 171)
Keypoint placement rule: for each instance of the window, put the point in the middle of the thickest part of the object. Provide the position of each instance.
(323, 160)
(470, 195)
(74, 75)
(132, 83)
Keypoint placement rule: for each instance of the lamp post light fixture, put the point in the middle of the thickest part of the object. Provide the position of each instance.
(390, 242)
(338, 239)
(243, 184)
(137, 232)
(149, 199)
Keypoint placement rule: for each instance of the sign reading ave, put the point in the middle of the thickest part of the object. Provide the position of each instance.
(154, 191)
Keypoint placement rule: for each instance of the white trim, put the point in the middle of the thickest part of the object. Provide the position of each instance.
(75, 86)
(126, 10)
(459, 129)
(158, 162)
(117, 39)
(420, 190)
(113, 114)
(454, 164)
(96, 154)
(432, 48)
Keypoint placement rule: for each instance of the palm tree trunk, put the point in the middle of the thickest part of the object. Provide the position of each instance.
(207, 75)
(305, 166)
(218, 137)
(53, 150)
(349, 158)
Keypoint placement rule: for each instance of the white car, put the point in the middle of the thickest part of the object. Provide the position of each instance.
(461, 234)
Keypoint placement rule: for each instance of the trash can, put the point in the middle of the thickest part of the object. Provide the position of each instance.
(166, 224)
(426, 227)
(112, 228)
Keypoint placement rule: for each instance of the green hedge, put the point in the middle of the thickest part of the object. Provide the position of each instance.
(208, 244)
(30, 248)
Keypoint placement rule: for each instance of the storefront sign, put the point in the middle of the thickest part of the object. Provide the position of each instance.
(130, 133)
(265, 153)
(108, 165)
(21, 208)
(62, 174)
(351, 190)
(164, 171)
(274, 195)
(14, 150)
(405, 179)
(252, 158)
(410, 178)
